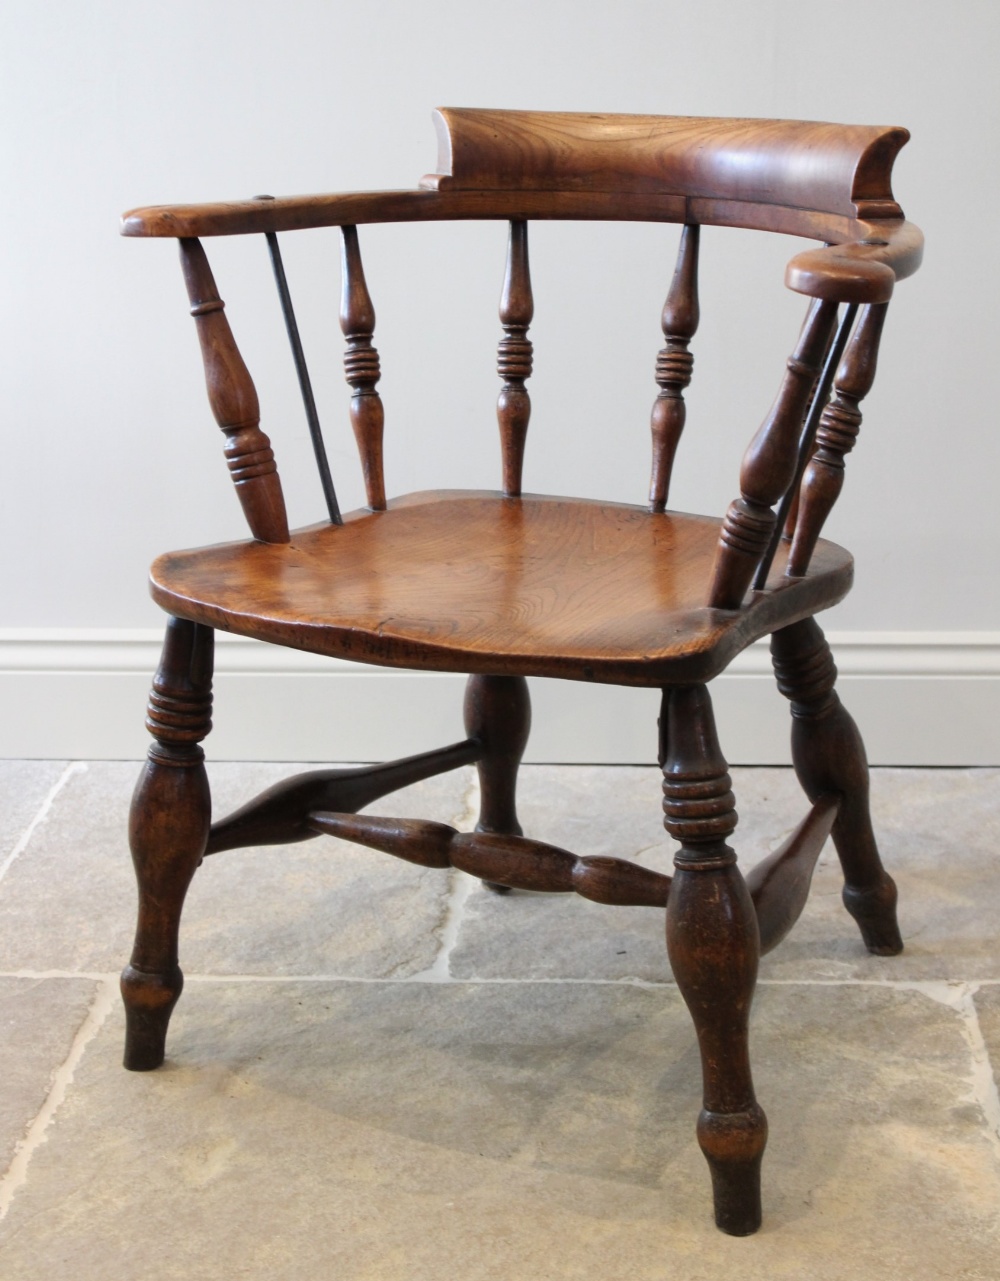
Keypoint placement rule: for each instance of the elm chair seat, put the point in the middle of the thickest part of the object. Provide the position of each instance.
(503, 585)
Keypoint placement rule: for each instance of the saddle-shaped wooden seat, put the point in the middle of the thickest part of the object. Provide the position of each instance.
(459, 581)
(506, 585)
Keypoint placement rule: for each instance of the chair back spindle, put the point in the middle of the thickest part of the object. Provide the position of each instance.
(305, 382)
(514, 358)
(769, 465)
(838, 430)
(234, 403)
(674, 364)
(361, 367)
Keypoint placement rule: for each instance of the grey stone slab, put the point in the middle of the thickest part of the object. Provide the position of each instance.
(412, 1131)
(319, 907)
(987, 1002)
(938, 829)
(38, 1020)
(24, 786)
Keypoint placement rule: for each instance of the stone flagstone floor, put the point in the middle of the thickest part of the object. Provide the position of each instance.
(380, 1071)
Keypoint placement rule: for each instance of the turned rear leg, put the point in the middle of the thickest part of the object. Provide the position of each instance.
(168, 829)
(829, 757)
(498, 714)
(714, 947)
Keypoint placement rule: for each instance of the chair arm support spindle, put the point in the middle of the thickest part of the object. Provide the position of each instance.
(361, 367)
(674, 363)
(769, 464)
(838, 429)
(514, 356)
(234, 403)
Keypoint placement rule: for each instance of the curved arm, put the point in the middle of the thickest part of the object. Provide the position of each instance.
(861, 270)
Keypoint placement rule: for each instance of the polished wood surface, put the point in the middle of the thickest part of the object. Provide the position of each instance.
(469, 581)
(233, 399)
(713, 941)
(769, 464)
(679, 322)
(839, 169)
(517, 306)
(838, 430)
(502, 586)
(361, 367)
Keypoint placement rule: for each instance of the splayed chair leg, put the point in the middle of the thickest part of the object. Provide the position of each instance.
(713, 943)
(168, 829)
(829, 757)
(498, 714)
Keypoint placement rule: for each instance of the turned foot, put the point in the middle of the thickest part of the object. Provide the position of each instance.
(168, 831)
(829, 758)
(714, 946)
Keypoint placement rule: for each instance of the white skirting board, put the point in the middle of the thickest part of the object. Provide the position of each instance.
(920, 698)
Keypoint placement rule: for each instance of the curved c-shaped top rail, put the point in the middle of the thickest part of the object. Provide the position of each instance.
(824, 181)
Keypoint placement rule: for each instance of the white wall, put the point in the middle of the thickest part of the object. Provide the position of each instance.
(110, 454)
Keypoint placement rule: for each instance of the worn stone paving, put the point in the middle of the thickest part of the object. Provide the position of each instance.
(383, 1071)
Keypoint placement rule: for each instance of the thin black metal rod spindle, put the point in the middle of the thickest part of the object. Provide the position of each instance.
(819, 401)
(305, 385)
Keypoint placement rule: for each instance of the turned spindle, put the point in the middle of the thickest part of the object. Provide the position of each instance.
(714, 947)
(674, 364)
(168, 830)
(233, 399)
(829, 758)
(838, 430)
(514, 358)
(769, 464)
(361, 367)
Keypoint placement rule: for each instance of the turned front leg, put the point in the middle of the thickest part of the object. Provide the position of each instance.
(498, 715)
(168, 831)
(714, 947)
(829, 758)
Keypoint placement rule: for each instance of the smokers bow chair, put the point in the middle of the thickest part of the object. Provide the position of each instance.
(504, 585)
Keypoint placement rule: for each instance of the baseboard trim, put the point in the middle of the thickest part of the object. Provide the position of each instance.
(920, 698)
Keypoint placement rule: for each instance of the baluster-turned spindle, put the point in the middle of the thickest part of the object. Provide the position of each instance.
(838, 430)
(681, 314)
(769, 464)
(514, 358)
(361, 367)
(233, 399)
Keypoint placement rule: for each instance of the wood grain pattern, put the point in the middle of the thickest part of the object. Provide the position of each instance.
(673, 365)
(474, 582)
(838, 430)
(769, 464)
(714, 945)
(233, 398)
(839, 169)
(514, 358)
(361, 367)
(513, 861)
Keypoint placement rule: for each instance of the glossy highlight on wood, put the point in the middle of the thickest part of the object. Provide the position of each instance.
(503, 585)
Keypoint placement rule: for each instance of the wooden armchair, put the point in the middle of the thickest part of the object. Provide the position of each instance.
(582, 590)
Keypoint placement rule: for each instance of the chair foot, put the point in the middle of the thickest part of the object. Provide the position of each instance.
(714, 945)
(733, 1144)
(874, 909)
(168, 831)
(149, 1002)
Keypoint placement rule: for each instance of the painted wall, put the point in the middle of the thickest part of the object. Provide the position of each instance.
(110, 454)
